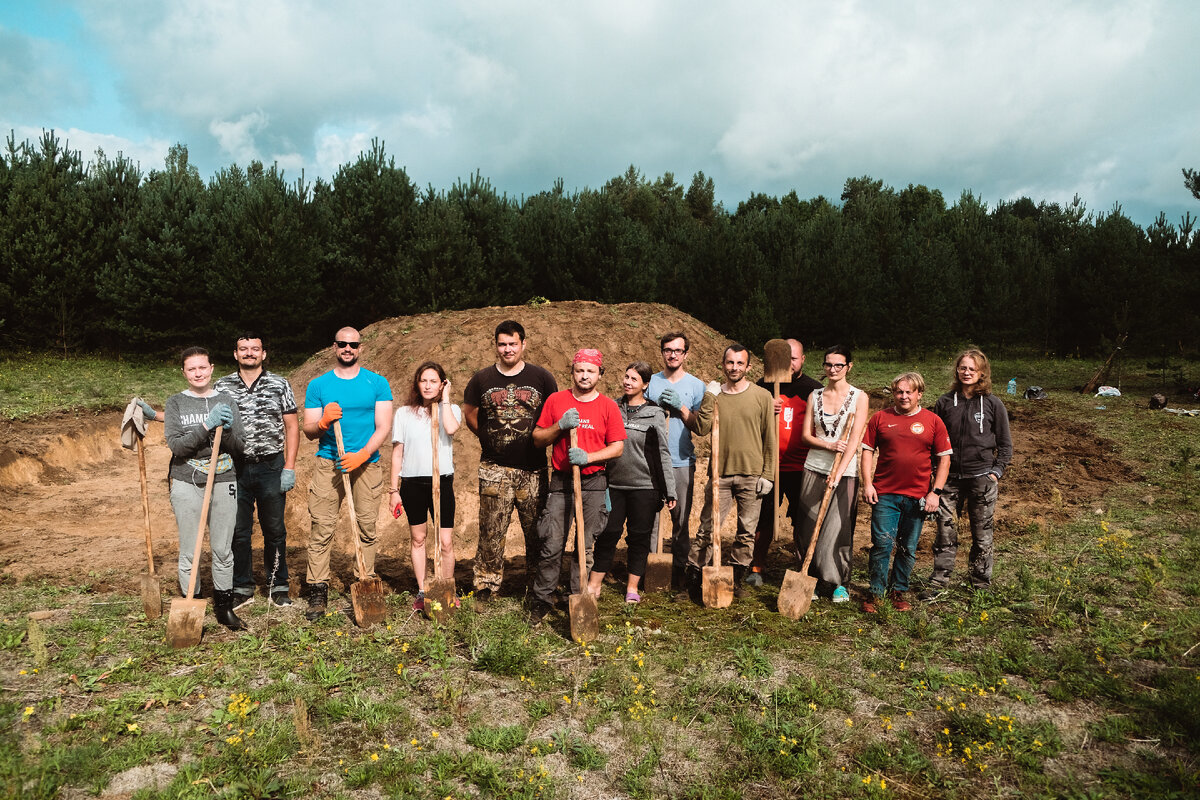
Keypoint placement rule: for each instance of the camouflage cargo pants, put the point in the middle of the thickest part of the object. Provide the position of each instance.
(501, 489)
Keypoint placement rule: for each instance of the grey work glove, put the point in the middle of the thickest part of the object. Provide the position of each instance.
(763, 488)
(149, 412)
(569, 420)
(670, 399)
(220, 414)
(287, 480)
(578, 456)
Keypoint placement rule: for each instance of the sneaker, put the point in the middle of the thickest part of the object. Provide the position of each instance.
(869, 607)
(840, 595)
(754, 579)
(899, 603)
(931, 592)
(280, 598)
(240, 601)
(419, 603)
(633, 597)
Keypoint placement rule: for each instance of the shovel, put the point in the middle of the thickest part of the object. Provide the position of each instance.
(716, 582)
(658, 565)
(151, 586)
(366, 595)
(440, 590)
(795, 595)
(777, 368)
(185, 623)
(585, 619)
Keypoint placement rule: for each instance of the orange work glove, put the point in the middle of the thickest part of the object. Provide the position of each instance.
(352, 461)
(332, 413)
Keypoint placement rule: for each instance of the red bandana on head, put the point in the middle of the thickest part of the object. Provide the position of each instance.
(589, 355)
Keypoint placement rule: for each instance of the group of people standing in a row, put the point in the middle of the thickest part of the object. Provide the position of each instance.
(635, 455)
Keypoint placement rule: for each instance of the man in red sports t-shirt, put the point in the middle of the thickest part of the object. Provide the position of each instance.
(898, 449)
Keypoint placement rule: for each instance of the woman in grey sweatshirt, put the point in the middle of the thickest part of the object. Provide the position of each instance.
(639, 482)
(188, 424)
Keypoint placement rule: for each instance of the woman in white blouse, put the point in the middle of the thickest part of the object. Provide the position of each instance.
(829, 411)
(412, 466)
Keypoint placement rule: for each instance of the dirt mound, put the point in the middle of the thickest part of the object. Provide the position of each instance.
(70, 502)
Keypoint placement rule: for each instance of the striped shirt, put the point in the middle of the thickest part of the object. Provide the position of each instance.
(262, 406)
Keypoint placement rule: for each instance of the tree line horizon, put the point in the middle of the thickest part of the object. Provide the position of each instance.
(99, 257)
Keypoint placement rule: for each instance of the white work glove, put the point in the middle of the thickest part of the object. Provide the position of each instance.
(764, 487)
(713, 387)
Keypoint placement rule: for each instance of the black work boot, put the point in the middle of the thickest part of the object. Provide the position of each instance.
(318, 598)
(223, 605)
(691, 586)
(678, 577)
(739, 578)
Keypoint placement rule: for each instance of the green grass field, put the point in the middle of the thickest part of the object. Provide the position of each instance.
(1077, 676)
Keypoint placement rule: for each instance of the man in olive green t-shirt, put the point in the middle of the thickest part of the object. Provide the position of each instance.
(747, 463)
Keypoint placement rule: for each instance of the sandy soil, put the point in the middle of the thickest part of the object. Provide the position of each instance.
(70, 504)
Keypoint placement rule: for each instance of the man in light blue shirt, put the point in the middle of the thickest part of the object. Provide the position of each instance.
(360, 401)
(680, 394)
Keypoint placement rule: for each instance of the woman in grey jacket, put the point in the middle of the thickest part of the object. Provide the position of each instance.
(638, 482)
(188, 424)
(978, 426)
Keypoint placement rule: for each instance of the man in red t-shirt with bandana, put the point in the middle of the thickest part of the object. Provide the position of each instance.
(601, 437)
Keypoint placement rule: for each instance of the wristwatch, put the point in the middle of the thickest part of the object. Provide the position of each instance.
(938, 492)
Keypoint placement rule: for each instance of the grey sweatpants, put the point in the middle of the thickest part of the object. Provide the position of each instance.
(186, 500)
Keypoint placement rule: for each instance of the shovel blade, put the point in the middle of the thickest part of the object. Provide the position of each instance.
(585, 618)
(777, 361)
(185, 623)
(658, 573)
(442, 592)
(716, 587)
(795, 595)
(366, 598)
(151, 596)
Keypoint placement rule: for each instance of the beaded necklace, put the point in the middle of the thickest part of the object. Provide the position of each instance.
(820, 413)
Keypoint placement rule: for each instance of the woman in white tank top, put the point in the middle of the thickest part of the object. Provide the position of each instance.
(829, 411)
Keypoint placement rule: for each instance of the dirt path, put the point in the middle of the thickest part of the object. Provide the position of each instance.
(70, 505)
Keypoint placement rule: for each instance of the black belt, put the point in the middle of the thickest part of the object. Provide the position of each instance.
(258, 459)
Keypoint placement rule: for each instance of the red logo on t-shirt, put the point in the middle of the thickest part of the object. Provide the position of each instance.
(917, 428)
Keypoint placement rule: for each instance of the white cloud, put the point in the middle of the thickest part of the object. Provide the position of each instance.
(236, 138)
(761, 95)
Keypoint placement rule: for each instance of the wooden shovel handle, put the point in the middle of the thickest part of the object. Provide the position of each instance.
(341, 449)
(778, 459)
(580, 539)
(837, 463)
(665, 521)
(141, 451)
(208, 490)
(435, 423)
(715, 462)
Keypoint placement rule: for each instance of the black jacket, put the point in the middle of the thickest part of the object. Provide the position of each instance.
(978, 432)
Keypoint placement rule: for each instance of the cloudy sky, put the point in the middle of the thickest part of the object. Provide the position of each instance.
(1044, 99)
